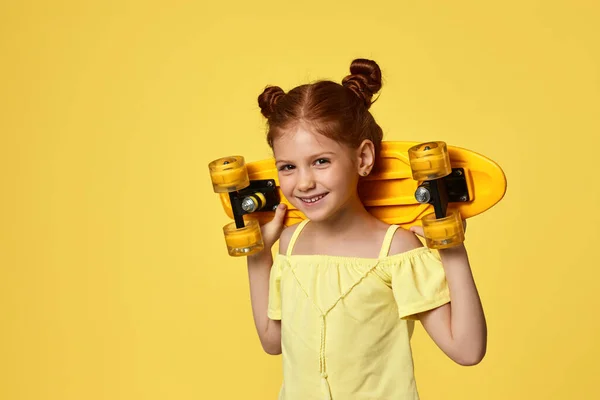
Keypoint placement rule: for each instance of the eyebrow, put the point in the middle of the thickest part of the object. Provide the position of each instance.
(318, 155)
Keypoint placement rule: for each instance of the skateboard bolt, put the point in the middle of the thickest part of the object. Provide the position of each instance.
(249, 205)
(458, 172)
(422, 195)
(463, 198)
(270, 183)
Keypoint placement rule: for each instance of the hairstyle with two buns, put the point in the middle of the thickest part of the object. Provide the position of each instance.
(337, 111)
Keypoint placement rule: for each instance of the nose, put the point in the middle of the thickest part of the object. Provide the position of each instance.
(306, 181)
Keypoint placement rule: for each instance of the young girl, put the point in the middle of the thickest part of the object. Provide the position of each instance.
(340, 299)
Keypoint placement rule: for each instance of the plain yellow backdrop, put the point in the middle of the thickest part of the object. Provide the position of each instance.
(114, 278)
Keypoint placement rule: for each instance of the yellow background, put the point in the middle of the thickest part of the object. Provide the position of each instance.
(114, 278)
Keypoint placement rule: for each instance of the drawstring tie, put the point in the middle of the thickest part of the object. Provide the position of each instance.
(324, 382)
(325, 386)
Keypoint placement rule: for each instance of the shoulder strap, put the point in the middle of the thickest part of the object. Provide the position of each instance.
(295, 235)
(387, 241)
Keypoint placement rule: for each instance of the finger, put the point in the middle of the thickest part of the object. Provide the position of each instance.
(276, 223)
(280, 213)
(272, 229)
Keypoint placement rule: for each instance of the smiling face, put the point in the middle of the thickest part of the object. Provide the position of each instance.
(318, 175)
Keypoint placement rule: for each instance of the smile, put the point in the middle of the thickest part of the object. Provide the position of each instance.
(312, 200)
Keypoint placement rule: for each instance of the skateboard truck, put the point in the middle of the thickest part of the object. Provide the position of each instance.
(439, 192)
(261, 195)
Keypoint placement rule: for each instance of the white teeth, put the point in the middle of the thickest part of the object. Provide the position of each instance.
(313, 199)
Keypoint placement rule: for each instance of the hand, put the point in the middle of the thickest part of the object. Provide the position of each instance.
(272, 229)
(419, 229)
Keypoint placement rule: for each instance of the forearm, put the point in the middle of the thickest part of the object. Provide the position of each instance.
(468, 328)
(269, 331)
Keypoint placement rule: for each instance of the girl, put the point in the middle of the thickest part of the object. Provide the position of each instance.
(340, 299)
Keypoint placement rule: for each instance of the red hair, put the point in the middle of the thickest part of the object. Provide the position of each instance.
(339, 112)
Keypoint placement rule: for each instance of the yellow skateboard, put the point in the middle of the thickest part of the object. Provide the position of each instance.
(429, 184)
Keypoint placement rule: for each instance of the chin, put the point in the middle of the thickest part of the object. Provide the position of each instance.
(313, 215)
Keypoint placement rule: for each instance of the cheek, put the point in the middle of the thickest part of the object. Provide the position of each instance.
(286, 183)
(343, 178)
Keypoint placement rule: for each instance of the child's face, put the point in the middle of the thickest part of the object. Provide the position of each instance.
(316, 174)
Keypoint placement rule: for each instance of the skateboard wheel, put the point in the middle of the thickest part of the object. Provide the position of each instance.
(444, 232)
(229, 174)
(429, 161)
(243, 241)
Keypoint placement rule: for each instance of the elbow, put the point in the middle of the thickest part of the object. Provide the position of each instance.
(469, 359)
(271, 344)
(273, 349)
(468, 362)
(271, 338)
(471, 351)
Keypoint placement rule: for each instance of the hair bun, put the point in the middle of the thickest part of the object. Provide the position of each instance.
(268, 99)
(364, 79)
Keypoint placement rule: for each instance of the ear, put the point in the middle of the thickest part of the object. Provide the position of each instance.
(365, 157)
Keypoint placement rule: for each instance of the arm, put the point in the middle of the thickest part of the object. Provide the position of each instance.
(458, 328)
(269, 331)
(259, 271)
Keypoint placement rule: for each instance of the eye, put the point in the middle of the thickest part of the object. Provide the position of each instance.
(286, 167)
(322, 161)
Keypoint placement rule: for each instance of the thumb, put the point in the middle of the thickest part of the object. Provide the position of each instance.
(272, 229)
(280, 207)
(280, 213)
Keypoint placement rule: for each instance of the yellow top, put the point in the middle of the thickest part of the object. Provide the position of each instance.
(346, 322)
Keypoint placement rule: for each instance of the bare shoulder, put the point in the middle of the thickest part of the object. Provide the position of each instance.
(403, 241)
(286, 236)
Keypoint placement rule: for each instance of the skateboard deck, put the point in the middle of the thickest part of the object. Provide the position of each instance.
(389, 192)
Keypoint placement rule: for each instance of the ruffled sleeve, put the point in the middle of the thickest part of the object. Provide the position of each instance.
(418, 282)
(274, 308)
